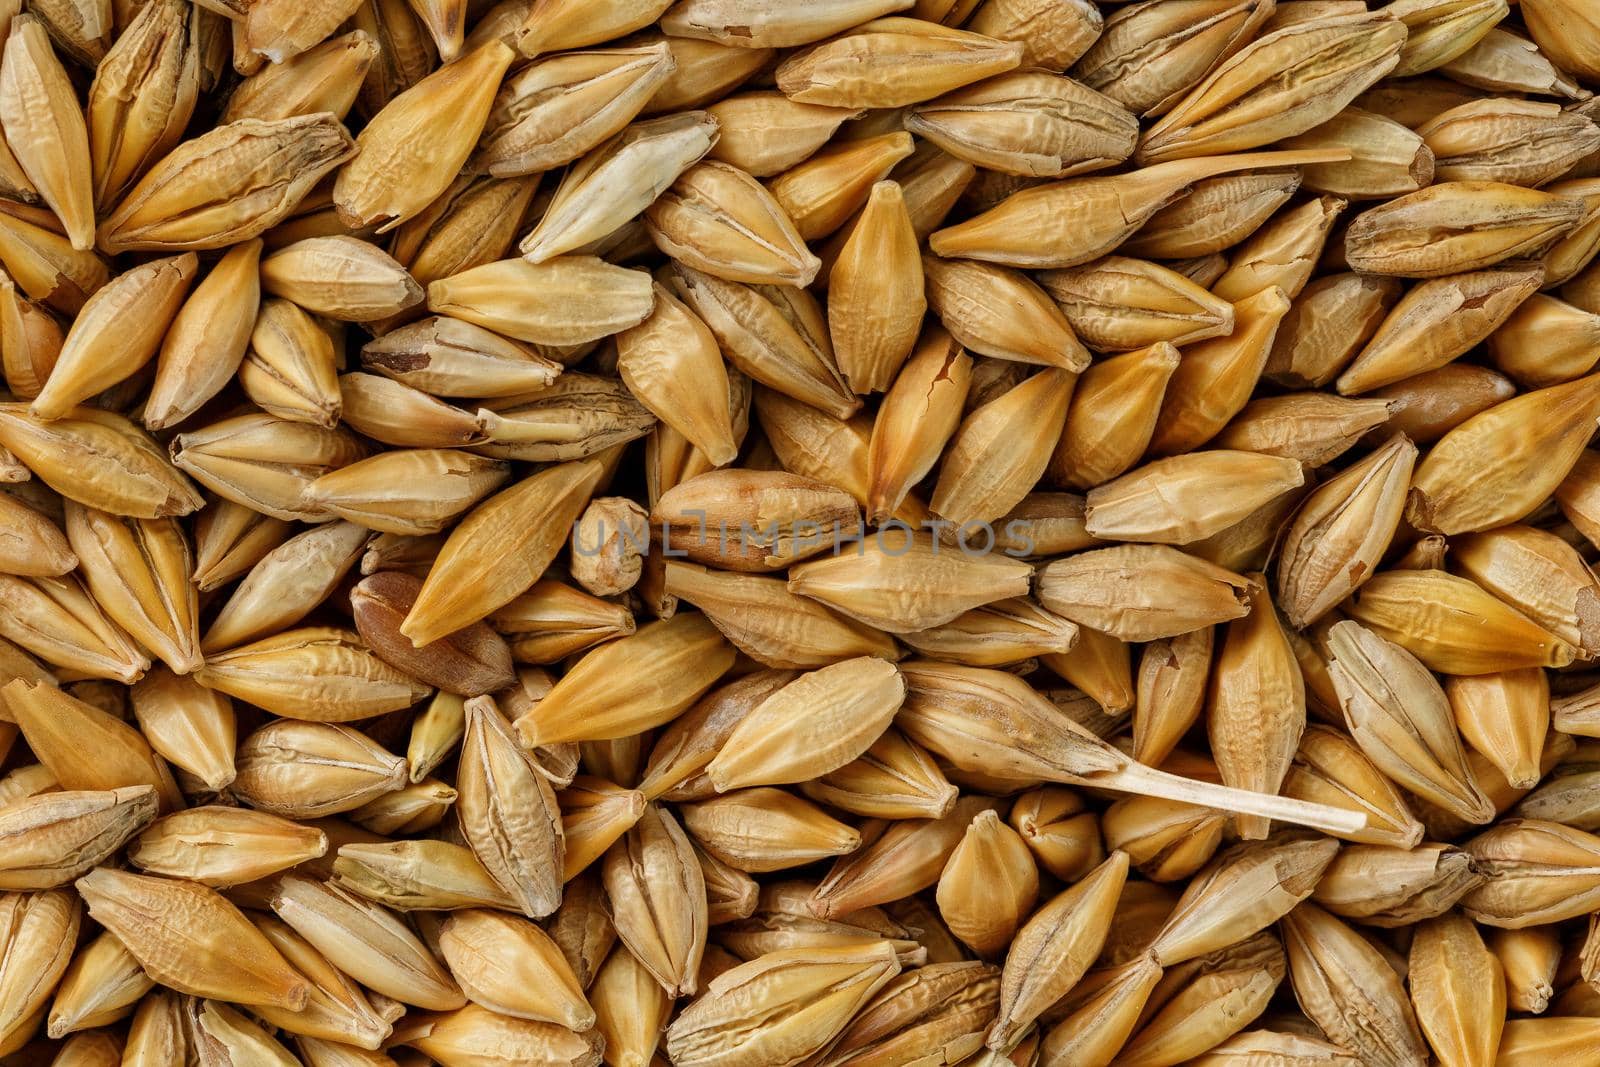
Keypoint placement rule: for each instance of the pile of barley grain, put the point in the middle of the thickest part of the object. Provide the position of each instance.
(799, 533)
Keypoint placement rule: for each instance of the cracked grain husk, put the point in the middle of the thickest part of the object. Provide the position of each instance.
(228, 185)
(306, 770)
(658, 899)
(417, 875)
(779, 1008)
(1054, 949)
(38, 931)
(519, 843)
(1399, 715)
(1345, 986)
(1205, 999)
(220, 846)
(1391, 887)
